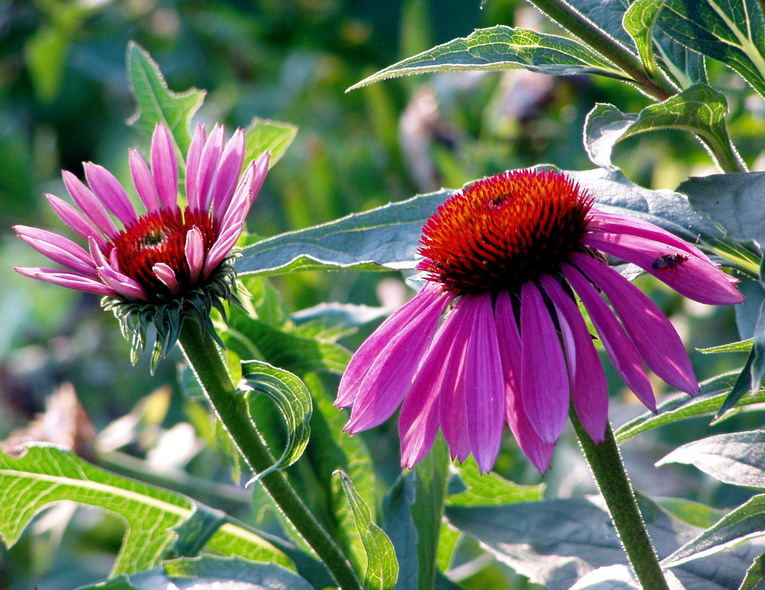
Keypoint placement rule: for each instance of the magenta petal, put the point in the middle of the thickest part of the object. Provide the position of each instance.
(143, 181)
(192, 166)
(89, 203)
(228, 173)
(483, 383)
(164, 167)
(247, 191)
(110, 192)
(601, 221)
(57, 248)
(167, 275)
(693, 277)
(208, 164)
(544, 377)
(390, 375)
(618, 345)
(590, 389)
(66, 279)
(653, 334)
(538, 451)
(195, 252)
(74, 219)
(366, 354)
(221, 248)
(452, 411)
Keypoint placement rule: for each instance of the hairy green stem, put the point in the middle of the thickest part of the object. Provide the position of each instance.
(205, 359)
(608, 469)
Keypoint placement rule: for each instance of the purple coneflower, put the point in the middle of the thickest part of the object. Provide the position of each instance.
(170, 260)
(496, 334)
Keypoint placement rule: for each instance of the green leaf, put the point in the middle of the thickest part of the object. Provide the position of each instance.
(748, 311)
(262, 135)
(380, 239)
(158, 104)
(490, 489)
(698, 109)
(737, 458)
(556, 542)
(221, 573)
(503, 48)
(739, 525)
(732, 31)
(740, 346)
(47, 474)
(194, 532)
(755, 575)
(294, 402)
(45, 53)
(694, 513)
(639, 21)
(682, 407)
(251, 338)
(382, 568)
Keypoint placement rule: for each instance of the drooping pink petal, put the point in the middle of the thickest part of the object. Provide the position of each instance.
(192, 166)
(691, 276)
(544, 377)
(110, 192)
(57, 248)
(452, 410)
(70, 280)
(390, 375)
(143, 181)
(589, 389)
(600, 221)
(89, 203)
(208, 164)
(195, 252)
(164, 167)
(74, 219)
(618, 345)
(366, 354)
(228, 173)
(538, 451)
(166, 274)
(483, 383)
(653, 334)
(120, 283)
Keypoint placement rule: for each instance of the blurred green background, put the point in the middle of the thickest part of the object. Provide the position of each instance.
(64, 99)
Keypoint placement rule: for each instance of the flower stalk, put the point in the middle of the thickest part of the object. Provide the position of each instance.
(205, 359)
(607, 467)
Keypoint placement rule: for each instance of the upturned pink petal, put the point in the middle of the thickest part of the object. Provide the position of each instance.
(208, 164)
(618, 345)
(228, 173)
(544, 376)
(655, 337)
(247, 191)
(74, 219)
(143, 181)
(537, 450)
(691, 276)
(221, 248)
(110, 192)
(364, 357)
(57, 248)
(195, 253)
(192, 166)
(390, 376)
(589, 389)
(89, 203)
(70, 280)
(166, 274)
(483, 383)
(164, 166)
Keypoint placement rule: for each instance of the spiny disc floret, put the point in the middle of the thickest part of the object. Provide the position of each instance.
(504, 231)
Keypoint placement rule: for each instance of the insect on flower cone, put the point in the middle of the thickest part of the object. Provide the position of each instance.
(496, 336)
(172, 259)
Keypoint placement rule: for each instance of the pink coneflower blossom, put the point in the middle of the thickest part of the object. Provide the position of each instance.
(169, 259)
(496, 334)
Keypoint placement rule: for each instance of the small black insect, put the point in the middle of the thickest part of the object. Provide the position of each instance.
(668, 261)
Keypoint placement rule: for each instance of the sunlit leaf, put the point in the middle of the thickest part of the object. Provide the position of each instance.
(262, 135)
(158, 104)
(490, 489)
(755, 575)
(639, 21)
(502, 48)
(46, 474)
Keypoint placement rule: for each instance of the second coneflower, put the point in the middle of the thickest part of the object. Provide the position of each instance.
(496, 335)
(173, 259)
